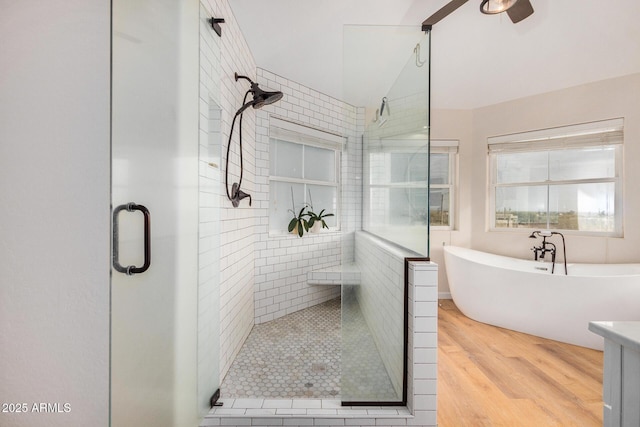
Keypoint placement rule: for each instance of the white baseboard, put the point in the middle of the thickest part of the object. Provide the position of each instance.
(444, 295)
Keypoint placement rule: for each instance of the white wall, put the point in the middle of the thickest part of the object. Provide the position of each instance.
(454, 124)
(54, 198)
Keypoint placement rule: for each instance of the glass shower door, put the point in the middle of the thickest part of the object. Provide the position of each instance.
(155, 219)
(392, 160)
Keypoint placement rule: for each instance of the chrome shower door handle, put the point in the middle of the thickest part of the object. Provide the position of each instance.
(132, 269)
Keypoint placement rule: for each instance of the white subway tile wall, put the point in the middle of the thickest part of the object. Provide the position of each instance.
(283, 261)
(381, 299)
(423, 343)
(236, 225)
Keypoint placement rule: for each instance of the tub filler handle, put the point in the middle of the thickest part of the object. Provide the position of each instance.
(132, 269)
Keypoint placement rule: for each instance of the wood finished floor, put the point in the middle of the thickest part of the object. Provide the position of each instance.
(489, 376)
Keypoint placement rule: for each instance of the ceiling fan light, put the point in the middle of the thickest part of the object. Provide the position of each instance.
(492, 7)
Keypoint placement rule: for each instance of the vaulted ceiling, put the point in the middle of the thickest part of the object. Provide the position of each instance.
(476, 59)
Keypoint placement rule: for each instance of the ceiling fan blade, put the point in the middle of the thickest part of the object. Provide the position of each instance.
(442, 13)
(520, 10)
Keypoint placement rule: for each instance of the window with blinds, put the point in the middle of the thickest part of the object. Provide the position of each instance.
(304, 170)
(565, 178)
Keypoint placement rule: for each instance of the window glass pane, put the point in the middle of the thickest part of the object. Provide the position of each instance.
(399, 215)
(408, 206)
(285, 159)
(409, 167)
(378, 206)
(419, 166)
(280, 203)
(439, 169)
(379, 169)
(319, 164)
(439, 206)
(521, 167)
(583, 163)
(584, 207)
(399, 169)
(524, 206)
(324, 197)
(398, 206)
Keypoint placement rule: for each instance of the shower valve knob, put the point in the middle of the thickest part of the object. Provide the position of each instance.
(237, 194)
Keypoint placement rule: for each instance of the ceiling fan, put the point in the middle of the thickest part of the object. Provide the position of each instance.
(516, 9)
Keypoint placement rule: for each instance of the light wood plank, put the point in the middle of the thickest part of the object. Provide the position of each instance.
(490, 376)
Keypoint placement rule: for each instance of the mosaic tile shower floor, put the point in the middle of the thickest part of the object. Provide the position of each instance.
(299, 356)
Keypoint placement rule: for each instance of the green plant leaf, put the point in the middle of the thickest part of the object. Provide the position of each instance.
(292, 224)
(312, 220)
(301, 210)
(300, 231)
(328, 215)
(306, 224)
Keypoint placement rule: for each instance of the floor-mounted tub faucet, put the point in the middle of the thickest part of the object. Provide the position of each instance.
(548, 247)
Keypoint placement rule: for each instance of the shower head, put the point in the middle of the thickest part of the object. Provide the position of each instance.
(263, 97)
(260, 97)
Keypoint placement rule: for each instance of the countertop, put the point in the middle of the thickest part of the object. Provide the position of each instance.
(623, 333)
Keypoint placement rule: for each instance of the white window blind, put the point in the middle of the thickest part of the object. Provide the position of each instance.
(293, 132)
(600, 133)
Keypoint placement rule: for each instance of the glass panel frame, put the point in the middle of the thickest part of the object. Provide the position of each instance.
(396, 122)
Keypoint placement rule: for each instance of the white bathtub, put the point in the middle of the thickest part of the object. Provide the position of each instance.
(520, 295)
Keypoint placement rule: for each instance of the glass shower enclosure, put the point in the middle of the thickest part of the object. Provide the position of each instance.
(386, 172)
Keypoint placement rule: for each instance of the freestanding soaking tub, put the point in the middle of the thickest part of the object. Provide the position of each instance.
(524, 296)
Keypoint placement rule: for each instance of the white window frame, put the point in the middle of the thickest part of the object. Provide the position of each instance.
(294, 133)
(437, 146)
(447, 147)
(593, 134)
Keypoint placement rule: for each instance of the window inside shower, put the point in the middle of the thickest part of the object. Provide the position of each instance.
(304, 171)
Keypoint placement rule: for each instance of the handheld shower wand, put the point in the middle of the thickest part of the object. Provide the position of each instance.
(260, 99)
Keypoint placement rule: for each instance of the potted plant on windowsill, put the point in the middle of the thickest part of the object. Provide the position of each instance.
(316, 221)
(298, 224)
